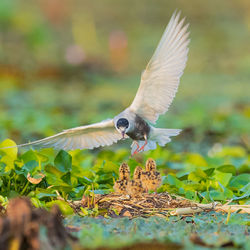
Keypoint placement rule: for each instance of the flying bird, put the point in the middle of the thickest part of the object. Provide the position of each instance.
(158, 86)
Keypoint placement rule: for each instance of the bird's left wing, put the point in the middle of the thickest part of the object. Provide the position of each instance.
(160, 79)
(84, 137)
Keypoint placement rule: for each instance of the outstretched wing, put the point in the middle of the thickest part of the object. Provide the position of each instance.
(160, 79)
(84, 137)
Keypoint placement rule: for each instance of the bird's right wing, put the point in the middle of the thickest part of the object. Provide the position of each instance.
(84, 137)
(160, 79)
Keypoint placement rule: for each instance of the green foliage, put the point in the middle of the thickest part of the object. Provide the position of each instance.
(73, 174)
(63, 205)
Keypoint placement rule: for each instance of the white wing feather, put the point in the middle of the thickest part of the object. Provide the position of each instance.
(160, 79)
(84, 137)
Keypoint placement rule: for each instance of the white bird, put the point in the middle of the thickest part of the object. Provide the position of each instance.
(158, 86)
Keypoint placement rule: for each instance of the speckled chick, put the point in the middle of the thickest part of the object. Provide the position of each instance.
(135, 187)
(151, 179)
(121, 185)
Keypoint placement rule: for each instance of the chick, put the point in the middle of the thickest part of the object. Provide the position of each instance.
(121, 185)
(151, 179)
(135, 188)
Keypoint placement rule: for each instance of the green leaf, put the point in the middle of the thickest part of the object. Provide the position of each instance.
(192, 195)
(82, 171)
(29, 156)
(2, 169)
(197, 175)
(63, 205)
(227, 169)
(30, 166)
(63, 161)
(246, 188)
(67, 178)
(53, 170)
(110, 167)
(214, 195)
(209, 171)
(11, 152)
(9, 155)
(228, 193)
(239, 181)
(223, 178)
(36, 202)
(53, 175)
(172, 180)
(44, 193)
(193, 186)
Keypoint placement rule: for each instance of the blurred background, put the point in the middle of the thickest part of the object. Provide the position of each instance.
(66, 63)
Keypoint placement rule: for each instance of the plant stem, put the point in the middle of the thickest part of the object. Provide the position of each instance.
(9, 184)
(25, 187)
(15, 187)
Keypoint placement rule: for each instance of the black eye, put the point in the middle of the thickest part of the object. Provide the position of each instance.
(122, 122)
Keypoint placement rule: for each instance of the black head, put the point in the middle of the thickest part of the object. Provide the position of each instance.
(122, 125)
(122, 122)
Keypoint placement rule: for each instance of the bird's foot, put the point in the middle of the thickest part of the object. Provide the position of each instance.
(143, 146)
(141, 149)
(135, 152)
(137, 147)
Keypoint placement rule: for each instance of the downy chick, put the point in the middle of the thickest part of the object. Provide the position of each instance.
(135, 186)
(121, 185)
(151, 179)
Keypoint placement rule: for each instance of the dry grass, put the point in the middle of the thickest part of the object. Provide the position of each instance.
(145, 205)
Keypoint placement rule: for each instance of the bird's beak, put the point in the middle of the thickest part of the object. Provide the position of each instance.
(122, 131)
(123, 134)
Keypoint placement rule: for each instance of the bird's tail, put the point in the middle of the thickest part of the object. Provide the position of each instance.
(158, 135)
(162, 135)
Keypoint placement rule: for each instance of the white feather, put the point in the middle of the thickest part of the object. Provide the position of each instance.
(160, 79)
(90, 136)
(162, 135)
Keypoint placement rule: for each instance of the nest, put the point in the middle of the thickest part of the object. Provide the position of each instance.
(146, 205)
(162, 204)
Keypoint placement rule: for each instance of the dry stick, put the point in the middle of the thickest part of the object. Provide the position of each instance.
(234, 208)
(191, 210)
(139, 206)
(212, 206)
(59, 197)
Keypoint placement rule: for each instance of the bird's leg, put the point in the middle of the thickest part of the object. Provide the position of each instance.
(137, 147)
(143, 146)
